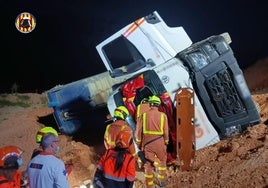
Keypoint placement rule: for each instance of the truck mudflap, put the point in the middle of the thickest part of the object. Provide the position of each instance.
(185, 128)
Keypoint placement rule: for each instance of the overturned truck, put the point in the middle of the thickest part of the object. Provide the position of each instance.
(199, 84)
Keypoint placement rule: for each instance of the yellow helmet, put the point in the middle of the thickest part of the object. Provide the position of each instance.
(121, 112)
(43, 131)
(144, 100)
(154, 100)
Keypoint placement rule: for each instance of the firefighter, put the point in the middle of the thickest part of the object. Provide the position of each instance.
(152, 138)
(142, 107)
(10, 161)
(39, 136)
(116, 168)
(113, 129)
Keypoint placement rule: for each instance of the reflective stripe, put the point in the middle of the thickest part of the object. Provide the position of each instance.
(111, 177)
(138, 111)
(160, 176)
(156, 163)
(150, 183)
(148, 175)
(162, 168)
(145, 129)
(109, 141)
(107, 131)
(133, 27)
(123, 127)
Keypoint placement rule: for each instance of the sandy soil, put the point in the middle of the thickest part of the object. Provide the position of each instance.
(241, 161)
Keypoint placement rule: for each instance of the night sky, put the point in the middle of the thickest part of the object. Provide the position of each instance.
(61, 48)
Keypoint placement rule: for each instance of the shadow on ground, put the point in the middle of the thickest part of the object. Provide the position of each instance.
(92, 129)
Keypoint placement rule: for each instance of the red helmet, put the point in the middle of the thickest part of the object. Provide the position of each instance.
(9, 156)
(123, 139)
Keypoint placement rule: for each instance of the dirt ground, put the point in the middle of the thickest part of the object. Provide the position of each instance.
(240, 161)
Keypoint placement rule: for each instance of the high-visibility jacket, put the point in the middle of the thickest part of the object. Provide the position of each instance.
(141, 108)
(150, 125)
(152, 136)
(120, 178)
(111, 133)
(4, 183)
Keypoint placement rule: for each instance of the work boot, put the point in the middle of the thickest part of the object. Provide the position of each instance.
(163, 183)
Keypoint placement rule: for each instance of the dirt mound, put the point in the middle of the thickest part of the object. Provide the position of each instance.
(257, 75)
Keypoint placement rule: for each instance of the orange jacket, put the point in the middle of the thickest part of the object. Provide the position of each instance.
(4, 183)
(107, 165)
(141, 108)
(150, 125)
(112, 132)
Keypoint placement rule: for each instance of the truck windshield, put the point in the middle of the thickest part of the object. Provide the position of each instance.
(122, 56)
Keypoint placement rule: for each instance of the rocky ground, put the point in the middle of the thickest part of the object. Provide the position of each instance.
(240, 161)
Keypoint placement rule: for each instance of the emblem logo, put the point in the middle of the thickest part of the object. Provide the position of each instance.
(25, 22)
(165, 79)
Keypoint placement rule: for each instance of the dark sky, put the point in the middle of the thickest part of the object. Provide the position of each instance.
(61, 48)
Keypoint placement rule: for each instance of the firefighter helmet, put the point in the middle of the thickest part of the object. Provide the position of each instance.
(123, 139)
(154, 100)
(43, 131)
(121, 112)
(10, 157)
(144, 100)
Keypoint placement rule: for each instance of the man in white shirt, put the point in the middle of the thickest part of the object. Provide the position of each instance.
(46, 170)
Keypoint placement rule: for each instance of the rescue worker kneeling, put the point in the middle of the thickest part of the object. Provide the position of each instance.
(116, 168)
(152, 137)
